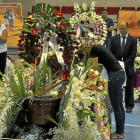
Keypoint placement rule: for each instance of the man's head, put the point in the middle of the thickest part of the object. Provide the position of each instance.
(123, 27)
(81, 54)
(104, 14)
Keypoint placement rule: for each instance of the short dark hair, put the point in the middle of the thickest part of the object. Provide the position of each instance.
(104, 10)
(80, 53)
(126, 24)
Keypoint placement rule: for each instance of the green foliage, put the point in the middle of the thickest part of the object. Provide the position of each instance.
(11, 112)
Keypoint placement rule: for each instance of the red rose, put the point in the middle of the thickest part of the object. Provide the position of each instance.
(62, 26)
(34, 31)
(58, 14)
(32, 48)
(22, 36)
(19, 44)
(20, 49)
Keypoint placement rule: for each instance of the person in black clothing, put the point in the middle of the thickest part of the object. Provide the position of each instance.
(116, 79)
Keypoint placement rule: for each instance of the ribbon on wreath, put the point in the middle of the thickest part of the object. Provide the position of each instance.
(54, 46)
(90, 34)
(45, 50)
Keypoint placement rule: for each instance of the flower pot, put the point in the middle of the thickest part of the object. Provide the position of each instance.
(37, 111)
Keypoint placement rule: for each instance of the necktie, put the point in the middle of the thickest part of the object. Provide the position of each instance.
(123, 43)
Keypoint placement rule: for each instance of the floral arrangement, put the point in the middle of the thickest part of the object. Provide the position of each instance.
(87, 15)
(23, 81)
(136, 94)
(47, 26)
(83, 108)
(137, 63)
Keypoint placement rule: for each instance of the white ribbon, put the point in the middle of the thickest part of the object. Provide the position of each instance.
(90, 34)
(122, 65)
(45, 50)
(54, 47)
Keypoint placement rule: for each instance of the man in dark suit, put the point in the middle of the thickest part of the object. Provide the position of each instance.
(124, 48)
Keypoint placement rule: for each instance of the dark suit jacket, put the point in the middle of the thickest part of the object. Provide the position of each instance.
(129, 53)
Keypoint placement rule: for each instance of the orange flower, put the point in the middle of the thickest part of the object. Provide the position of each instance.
(99, 84)
(91, 75)
(107, 132)
(34, 64)
(94, 88)
(87, 86)
(88, 80)
(103, 89)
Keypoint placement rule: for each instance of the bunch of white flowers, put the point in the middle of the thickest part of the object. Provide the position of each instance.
(76, 7)
(84, 6)
(92, 7)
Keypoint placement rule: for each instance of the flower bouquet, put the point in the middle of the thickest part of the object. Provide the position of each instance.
(137, 63)
(82, 113)
(47, 32)
(136, 94)
(84, 16)
(20, 88)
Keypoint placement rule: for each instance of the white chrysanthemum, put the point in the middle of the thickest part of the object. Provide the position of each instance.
(96, 73)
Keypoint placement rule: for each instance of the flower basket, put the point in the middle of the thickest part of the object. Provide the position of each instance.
(41, 107)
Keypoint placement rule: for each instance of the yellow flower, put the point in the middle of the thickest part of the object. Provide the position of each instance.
(68, 109)
(54, 93)
(76, 100)
(81, 63)
(30, 16)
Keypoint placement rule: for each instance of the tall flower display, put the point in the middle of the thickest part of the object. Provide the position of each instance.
(87, 15)
(47, 30)
(83, 106)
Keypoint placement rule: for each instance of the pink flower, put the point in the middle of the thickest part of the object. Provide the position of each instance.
(83, 41)
(103, 137)
(101, 30)
(97, 33)
(99, 24)
(29, 84)
(98, 29)
(96, 96)
(101, 34)
(96, 26)
(39, 48)
(101, 27)
(93, 44)
(30, 71)
(90, 41)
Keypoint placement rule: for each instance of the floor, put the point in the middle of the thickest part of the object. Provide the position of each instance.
(132, 124)
(13, 36)
(132, 120)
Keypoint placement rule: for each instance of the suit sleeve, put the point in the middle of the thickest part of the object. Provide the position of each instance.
(131, 58)
(111, 45)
